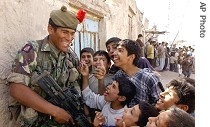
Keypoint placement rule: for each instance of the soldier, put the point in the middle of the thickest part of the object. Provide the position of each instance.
(53, 54)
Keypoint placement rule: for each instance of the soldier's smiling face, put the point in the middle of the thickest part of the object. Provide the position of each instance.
(61, 38)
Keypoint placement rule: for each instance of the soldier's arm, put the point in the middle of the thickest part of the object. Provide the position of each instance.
(33, 100)
(29, 98)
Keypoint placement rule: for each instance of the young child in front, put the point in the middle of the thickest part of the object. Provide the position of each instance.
(179, 92)
(115, 98)
(136, 116)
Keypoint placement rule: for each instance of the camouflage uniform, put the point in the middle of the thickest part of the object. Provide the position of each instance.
(37, 56)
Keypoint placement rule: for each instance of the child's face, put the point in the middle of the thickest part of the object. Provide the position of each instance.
(111, 93)
(159, 121)
(167, 98)
(87, 57)
(111, 48)
(121, 57)
(96, 61)
(130, 116)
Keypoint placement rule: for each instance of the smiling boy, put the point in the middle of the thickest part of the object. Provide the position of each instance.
(126, 58)
(179, 92)
(115, 98)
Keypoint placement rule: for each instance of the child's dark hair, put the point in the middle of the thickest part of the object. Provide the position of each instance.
(132, 48)
(103, 53)
(87, 49)
(179, 118)
(185, 91)
(126, 88)
(190, 80)
(140, 35)
(113, 39)
(147, 110)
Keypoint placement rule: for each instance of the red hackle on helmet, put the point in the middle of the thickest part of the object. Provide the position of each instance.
(81, 15)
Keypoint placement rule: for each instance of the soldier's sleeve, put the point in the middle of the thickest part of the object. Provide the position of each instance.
(24, 64)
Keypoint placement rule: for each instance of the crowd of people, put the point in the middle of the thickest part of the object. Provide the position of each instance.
(163, 57)
(123, 94)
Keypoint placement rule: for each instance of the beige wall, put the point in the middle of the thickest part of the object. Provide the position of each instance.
(117, 20)
(23, 20)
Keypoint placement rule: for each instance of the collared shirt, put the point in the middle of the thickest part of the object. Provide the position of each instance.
(146, 83)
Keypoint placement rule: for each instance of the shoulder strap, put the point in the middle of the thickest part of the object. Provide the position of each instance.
(74, 57)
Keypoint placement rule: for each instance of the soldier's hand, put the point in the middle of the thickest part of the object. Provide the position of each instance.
(100, 71)
(61, 116)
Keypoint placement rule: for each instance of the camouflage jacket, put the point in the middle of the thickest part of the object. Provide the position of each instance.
(37, 56)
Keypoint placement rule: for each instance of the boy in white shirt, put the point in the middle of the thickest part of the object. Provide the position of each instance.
(115, 98)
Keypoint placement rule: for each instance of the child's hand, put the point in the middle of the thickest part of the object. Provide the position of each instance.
(100, 71)
(123, 124)
(83, 68)
(99, 119)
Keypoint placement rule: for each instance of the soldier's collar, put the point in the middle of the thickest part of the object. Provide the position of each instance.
(54, 49)
(47, 46)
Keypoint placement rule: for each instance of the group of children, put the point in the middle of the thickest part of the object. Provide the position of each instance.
(125, 95)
